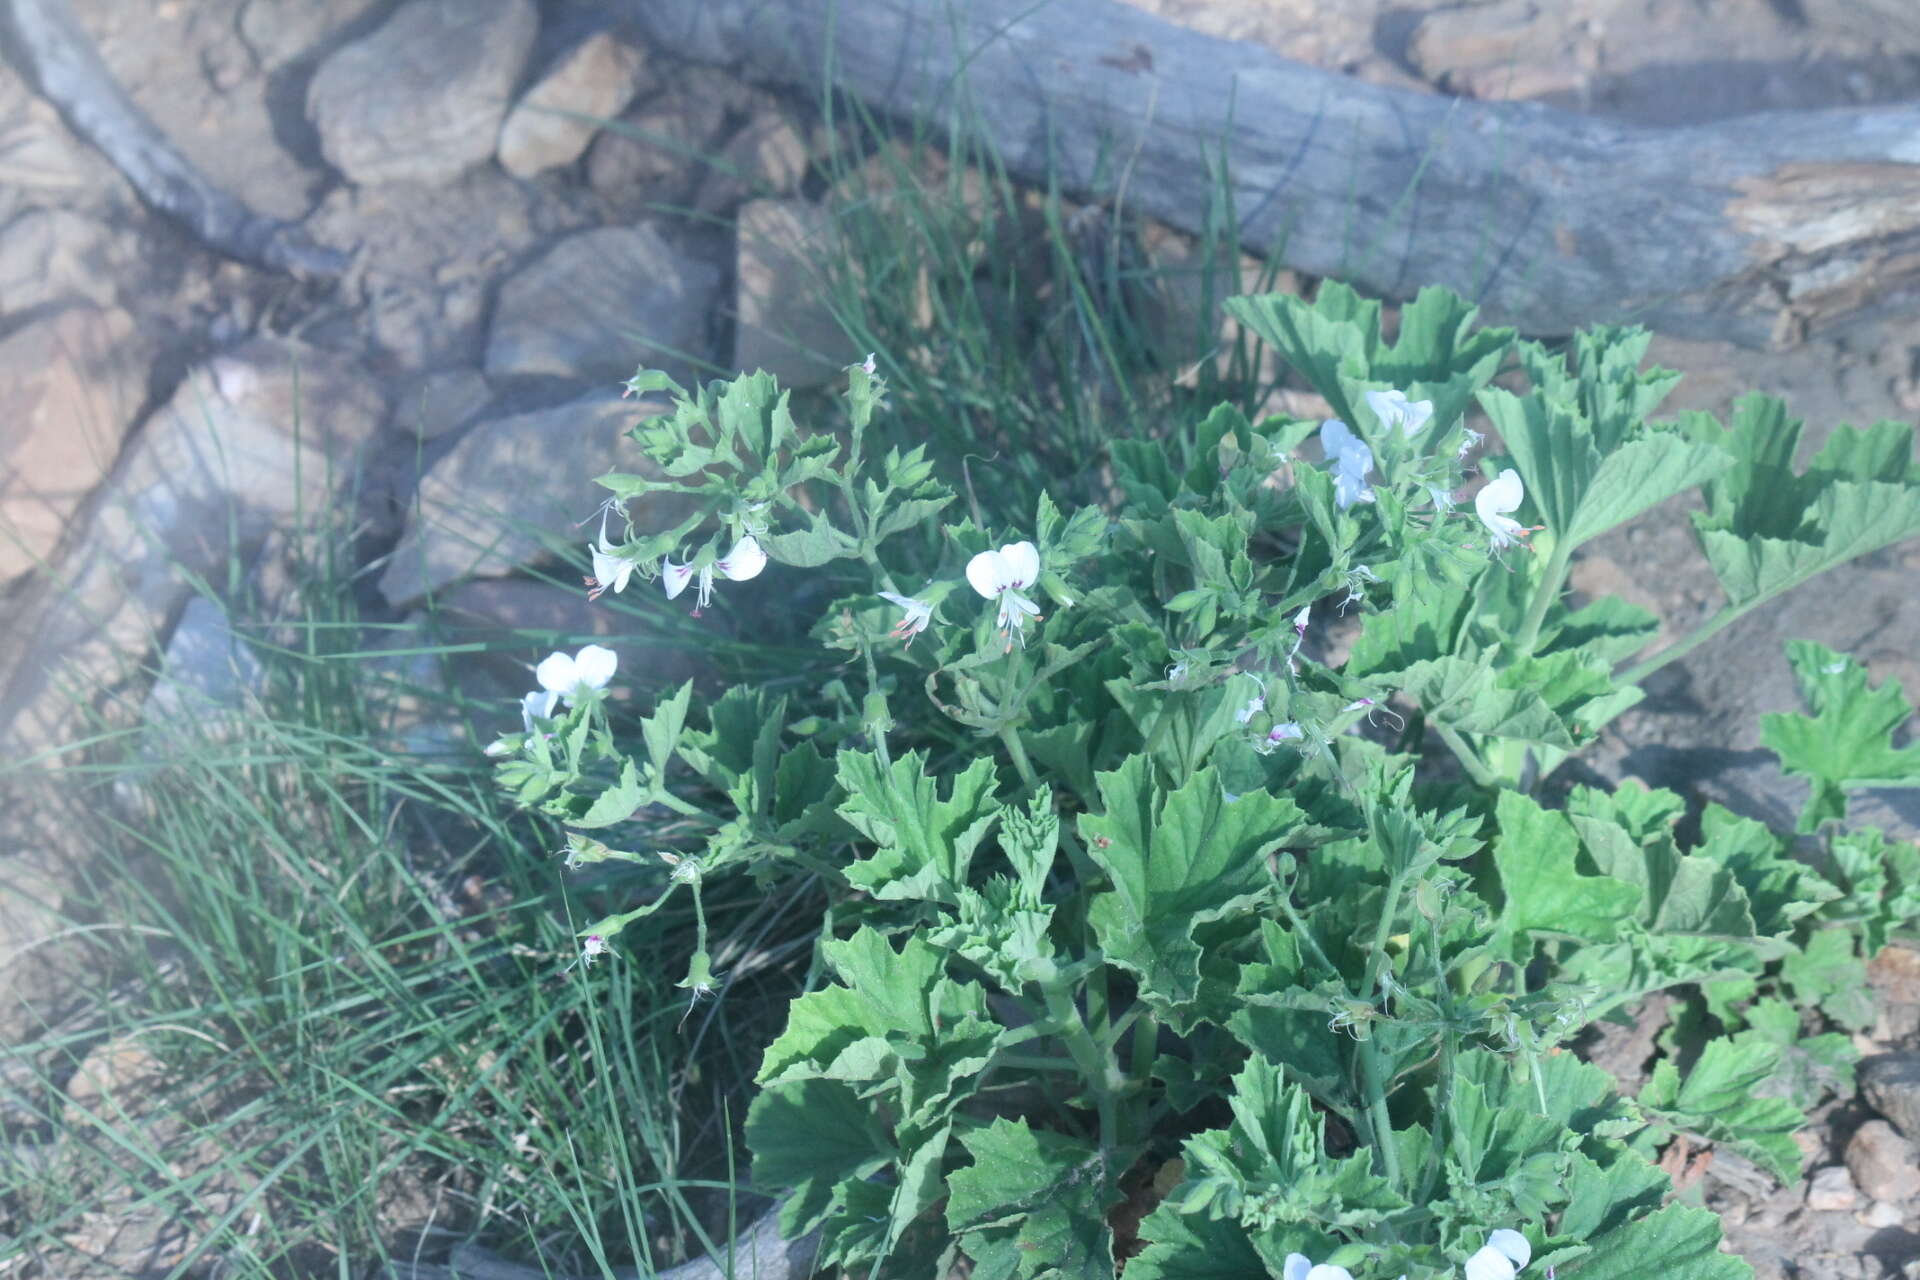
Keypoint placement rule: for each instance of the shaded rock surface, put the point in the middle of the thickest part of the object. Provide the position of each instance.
(70, 386)
(421, 98)
(782, 324)
(512, 490)
(599, 303)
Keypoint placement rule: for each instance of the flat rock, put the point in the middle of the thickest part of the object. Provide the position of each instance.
(56, 255)
(206, 668)
(442, 401)
(31, 929)
(70, 386)
(277, 32)
(596, 78)
(782, 323)
(600, 303)
(767, 157)
(421, 98)
(1831, 1190)
(247, 441)
(1885, 1165)
(511, 491)
(1891, 1083)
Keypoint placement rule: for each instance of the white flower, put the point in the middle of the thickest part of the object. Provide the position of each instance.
(1301, 619)
(1002, 575)
(1467, 443)
(1506, 1254)
(1503, 494)
(569, 678)
(1298, 1268)
(1442, 498)
(610, 569)
(918, 614)
(538, 703)
(592, 947)
(1255, 705)
(1284, 731)
(746, 560)
(1351, 461)
(1392, 409)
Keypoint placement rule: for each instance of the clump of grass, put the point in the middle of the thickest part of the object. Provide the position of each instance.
(345, 972)
(1021, 330)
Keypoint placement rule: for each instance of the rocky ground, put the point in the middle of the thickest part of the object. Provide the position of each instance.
(170, 410)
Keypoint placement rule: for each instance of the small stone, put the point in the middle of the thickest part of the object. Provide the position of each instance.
(70, 385)
(1891, 1083)
(600, 303)
(1880, 1215)
(782, 323)
(421, 98)
(1884, 1165)
(597, 77)
(1831, 1190)
(515, 488)
(113, 1075)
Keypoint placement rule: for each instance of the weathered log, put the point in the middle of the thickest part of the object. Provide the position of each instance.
(47, 43)
(1756, 229)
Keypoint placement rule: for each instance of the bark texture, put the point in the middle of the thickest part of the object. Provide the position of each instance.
(1756, 229)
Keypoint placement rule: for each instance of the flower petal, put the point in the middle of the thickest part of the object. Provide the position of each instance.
(1513, 1244)
(1336, 439)
(556, 673)
(1490, 1264)
(1327, 1271)
(594, 665)
(1502, 494)
(675, 577)
(1021, 560)
(746, 560)
(986, 575)
(1296, 1268)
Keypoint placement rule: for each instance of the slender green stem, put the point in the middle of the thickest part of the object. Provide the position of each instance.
(1552, 580)
(1728, 615)
(1468, 757)
(1023, 766)
(1377, 1118)
(1095, 1065)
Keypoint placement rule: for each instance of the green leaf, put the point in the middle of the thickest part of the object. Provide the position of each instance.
(1677, 1243)
(1546, 895)
(1465, 696)
(926, 843)
(1720, 1100)
(1847, 743)
(813, 1136)
(1640, 474)
(1177, 860)
(1678, 893)
(617, 803)
(1766, 529)
(1827, 973)
(1032, 1202)
(809, 548)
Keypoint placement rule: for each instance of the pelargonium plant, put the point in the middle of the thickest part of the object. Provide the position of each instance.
(1197, 906)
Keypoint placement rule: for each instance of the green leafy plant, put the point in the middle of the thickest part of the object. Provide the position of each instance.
(1154, 938)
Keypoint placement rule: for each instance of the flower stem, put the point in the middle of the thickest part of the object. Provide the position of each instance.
(1468, 757)
(1552, 580)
